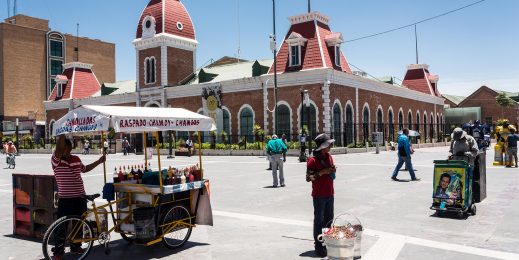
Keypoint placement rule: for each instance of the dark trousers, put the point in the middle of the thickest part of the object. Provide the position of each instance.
(323, 216)
(67, 207)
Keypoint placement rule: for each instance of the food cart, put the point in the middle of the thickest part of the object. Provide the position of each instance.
(453, 187)
(156, 207)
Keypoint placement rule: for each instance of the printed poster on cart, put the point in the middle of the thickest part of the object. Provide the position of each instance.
(449, 183)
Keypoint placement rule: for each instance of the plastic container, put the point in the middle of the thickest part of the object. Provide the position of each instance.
(144, 222)
(343, 239)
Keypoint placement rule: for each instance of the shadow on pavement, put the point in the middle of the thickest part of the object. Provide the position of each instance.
(30, 239)
(310, 253)
(125, 250)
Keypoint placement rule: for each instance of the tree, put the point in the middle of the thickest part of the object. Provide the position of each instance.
(504, 101)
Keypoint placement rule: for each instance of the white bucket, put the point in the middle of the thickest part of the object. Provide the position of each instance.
(339, 248)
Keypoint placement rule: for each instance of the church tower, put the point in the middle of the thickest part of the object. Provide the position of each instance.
(165, 46)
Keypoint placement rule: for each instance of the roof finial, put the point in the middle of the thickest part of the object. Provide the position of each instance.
(309, 10)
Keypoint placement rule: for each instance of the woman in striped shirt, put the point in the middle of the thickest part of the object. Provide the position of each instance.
(67, 171)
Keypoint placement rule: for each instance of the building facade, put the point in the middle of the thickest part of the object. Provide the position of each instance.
(240, 95)
(31, 56)
(485, 99)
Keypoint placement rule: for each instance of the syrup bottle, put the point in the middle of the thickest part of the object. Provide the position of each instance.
(116, 177)
(120, 175)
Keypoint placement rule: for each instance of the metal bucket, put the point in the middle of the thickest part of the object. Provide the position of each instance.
(340, 248)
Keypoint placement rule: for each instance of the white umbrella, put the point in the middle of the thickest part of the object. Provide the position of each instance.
(95, 119)
(411, 133)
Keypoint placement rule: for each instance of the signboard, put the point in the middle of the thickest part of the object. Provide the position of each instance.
(212, 101)
(81, 121)
(449, 183)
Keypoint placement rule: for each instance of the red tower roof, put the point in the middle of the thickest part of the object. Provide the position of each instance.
(167, 16)
(318, 49)
(77, 80)
(418, 78)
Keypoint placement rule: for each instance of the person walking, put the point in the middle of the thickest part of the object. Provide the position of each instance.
(67, 170)
(126, 146)
(275, 149)
(320, 170)
(512, 147)
(404, 156)
(86, 148)
(105, 147)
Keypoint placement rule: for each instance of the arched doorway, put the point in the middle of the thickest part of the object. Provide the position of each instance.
(284, 121)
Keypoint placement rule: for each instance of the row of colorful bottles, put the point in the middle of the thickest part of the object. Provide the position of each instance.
(181, 176)
(130, 173)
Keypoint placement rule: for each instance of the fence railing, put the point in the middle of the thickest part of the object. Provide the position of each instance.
(349, 135)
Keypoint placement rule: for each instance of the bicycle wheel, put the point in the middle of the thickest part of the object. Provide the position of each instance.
(176, 225)
(69, 236)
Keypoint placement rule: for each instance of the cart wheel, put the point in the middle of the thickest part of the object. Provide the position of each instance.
(439, 213)
(473, 210)
(461, 214)
(128, 238)
(176, 226)
(65, 230)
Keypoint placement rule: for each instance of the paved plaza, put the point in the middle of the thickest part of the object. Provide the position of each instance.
(253, 221)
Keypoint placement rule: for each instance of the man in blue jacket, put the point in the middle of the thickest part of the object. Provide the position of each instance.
(404, 156)
(275, 148)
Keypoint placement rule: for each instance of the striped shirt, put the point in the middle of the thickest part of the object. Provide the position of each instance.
(68, 176)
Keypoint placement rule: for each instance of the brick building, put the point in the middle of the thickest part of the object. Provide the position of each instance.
(485, 98)
(31, 56)
(240, 94)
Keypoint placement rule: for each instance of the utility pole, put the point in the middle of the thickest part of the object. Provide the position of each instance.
(275, 67)
(416, 43)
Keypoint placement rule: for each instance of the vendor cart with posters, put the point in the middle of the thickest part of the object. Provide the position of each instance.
(147, 205)
(452, 187)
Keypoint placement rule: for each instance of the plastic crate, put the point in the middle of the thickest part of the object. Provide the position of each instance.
(23, 188)
(44, 189)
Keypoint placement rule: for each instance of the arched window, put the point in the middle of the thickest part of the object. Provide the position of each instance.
(391, 126)
(380, 122)
(348, 126)
(425, 127)
(431, 128)
(365, 123)
(400, 121)
(410, 120)
(283, 121)
(438, 129)
(337, 125)
(226, 122)
(313, 119)
(417, 123)
(246, 124)
(149, 70)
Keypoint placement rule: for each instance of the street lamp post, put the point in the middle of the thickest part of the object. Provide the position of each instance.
(302, 138)
(170, 139)
(17, 143)
(307, 104)
(273, 47)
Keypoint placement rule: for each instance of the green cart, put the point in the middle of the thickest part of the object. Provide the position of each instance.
(452, 187)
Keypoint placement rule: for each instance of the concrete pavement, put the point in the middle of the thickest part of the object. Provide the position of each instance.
(252, 221)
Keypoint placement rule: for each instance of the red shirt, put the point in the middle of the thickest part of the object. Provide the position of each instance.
(322, 187)
(68, 176)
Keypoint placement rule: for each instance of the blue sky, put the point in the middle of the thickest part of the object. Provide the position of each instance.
(473, 47)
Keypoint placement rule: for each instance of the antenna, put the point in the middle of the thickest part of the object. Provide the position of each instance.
(77, 42)
(8, 8)
(309, 10)
(239, 33)
(15, 8)
(416, 43)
